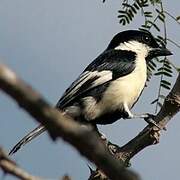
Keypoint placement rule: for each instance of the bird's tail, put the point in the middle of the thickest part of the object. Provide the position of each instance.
(30, 136)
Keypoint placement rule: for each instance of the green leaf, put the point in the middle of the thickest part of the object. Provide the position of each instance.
(122, 21)
(151, 67)
(142, 29)
(133, 8)
(122, 12)
(143, 3)
(168, 70)
(136, 5)
(145, 26)
(161, 18)
(167, 66)
(163, 73)
(148, 14)
(130, 14)
(158, 11)
(153, 2)
(161, 15)
(153, 64)
(154, 25)
(127, 5)
(167, 74)
(164, 61)
(127, 19)
(165, 86)
(165, 69)
(121, 16)
(161, 40)
(166, 82)
(160, 37)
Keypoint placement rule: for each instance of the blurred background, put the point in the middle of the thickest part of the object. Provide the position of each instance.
(48, 44)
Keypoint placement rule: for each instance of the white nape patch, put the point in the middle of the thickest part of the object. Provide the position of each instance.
(135, 46)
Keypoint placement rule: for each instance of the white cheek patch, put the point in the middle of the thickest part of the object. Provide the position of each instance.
(135, 46)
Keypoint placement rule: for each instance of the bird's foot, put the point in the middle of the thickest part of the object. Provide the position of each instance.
(149, 118)
(127, 115)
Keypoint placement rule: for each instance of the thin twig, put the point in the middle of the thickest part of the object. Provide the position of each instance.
(162, 75)
(10, 167)
(173, 42)
(170, 15)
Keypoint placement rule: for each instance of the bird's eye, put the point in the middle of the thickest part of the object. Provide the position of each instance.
(146, 38)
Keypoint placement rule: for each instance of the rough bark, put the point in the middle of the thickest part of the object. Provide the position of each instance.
(59, 125)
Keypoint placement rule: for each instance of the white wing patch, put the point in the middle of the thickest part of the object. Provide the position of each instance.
(104, 76)
(100, 78)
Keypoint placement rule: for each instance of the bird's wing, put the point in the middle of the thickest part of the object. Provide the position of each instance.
(108, 66)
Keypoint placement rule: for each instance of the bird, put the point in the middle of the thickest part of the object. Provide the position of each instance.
(110, 85)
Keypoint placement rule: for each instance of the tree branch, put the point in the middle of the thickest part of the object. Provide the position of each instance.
(150, 134)
(9, 166)
(59, 125)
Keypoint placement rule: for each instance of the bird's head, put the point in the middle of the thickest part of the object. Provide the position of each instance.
(140, 42)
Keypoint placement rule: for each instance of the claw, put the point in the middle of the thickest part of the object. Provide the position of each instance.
(150, 120)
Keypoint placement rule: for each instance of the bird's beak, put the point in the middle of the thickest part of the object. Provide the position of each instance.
(160, 51)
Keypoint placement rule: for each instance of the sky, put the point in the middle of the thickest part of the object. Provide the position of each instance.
(48, 44)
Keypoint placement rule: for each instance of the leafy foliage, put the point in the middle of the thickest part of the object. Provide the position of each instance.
(129, 11)
(154, 18)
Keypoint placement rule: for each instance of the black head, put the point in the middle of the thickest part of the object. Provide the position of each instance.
(143, 37)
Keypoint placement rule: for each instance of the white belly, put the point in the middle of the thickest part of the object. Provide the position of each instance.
(125, 90)
(122, 91)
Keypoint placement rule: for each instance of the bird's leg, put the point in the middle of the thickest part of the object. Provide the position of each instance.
(149, 118)
(127, 112)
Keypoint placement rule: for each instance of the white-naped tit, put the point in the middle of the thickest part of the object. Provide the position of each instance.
(109, 86)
